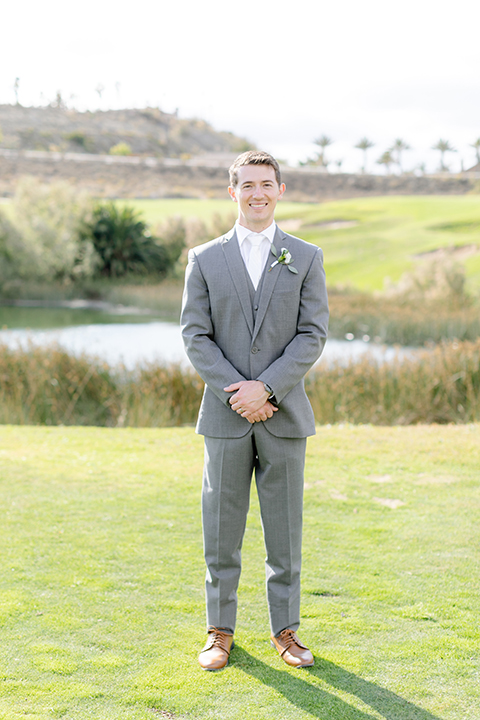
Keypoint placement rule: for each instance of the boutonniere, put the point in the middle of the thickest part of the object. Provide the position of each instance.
(284, 258)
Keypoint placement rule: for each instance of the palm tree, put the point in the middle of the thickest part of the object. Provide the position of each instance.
(323, 141)
(476, 145)
(386, 159)
(364, 144)
(398, 147)
(443, 146)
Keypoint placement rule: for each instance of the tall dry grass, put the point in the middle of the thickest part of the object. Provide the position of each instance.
(389, 322)
(50, 387)
(441, 385)
(47, 386)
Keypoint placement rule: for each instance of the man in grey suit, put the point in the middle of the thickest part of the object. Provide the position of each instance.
(254, 320)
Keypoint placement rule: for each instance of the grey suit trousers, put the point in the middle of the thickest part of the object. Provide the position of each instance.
(278, 464)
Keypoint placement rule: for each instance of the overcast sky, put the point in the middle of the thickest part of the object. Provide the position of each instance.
(280, 73)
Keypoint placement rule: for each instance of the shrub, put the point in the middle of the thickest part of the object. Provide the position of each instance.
(44, 241)
(9, 241)
(124, 243)
(121, 148)
(172, 234)
(436, 279)
(78, 138)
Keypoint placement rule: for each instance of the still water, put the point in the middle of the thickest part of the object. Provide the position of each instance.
(129, 339)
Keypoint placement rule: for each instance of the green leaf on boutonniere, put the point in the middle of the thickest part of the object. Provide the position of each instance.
(284, 258)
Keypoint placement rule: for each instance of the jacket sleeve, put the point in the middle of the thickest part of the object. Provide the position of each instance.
(197, 331)
(307, 345)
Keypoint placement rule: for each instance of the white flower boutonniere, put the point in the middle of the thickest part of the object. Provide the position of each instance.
(284, 258)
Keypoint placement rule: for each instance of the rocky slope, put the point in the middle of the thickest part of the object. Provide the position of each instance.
(148, 132)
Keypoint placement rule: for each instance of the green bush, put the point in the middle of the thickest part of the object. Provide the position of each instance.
(43, 240)
(9, 240)
(124, 243)
(120, 148)
(79, 139)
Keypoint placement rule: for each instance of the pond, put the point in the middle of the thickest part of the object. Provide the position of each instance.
(127, 336)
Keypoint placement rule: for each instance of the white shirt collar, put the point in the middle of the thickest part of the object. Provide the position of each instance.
(243, 232)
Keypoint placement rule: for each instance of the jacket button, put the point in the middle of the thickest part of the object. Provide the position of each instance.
(254, 350)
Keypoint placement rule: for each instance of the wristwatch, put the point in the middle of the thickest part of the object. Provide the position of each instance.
(268, 389)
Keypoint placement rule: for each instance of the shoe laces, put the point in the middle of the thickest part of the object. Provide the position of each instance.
(219, 639)
(288, 638)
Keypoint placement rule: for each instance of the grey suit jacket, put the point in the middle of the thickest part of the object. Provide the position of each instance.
(225, 344)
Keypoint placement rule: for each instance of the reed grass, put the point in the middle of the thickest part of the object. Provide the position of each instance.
(386, 320)
(441, 385)
(48, 386)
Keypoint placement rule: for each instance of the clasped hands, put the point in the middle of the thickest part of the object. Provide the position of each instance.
(251, 400)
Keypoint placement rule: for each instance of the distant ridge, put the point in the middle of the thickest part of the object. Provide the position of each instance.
(149, 132)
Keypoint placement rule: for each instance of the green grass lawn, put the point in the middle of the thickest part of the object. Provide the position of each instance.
(389, 232)
(101, 580)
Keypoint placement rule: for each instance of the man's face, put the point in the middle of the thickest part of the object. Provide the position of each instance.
(256, 193)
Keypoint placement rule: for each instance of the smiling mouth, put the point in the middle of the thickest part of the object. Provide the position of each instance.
(258, 205)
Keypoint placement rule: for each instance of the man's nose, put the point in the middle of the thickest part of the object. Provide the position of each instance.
(258, 191)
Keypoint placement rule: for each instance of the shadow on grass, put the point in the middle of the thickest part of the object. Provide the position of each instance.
(320, 703)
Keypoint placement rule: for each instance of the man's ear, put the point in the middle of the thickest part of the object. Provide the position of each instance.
(282, 190)
(231, 192)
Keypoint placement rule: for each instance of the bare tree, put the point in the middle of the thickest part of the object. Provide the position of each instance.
(364, 144)
(100, 89)
(59, 102)
(443, 146)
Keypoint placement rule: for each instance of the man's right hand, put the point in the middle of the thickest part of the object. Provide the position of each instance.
(265, 412)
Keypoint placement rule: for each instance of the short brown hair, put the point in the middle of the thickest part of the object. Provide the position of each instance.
(253, 157)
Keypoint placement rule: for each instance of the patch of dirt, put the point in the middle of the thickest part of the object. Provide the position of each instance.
(458, 252)
(334, 225)
(423, 479)
(290, 225)
(335, 495)
(294, 224)
(393, 504)
(380, 478)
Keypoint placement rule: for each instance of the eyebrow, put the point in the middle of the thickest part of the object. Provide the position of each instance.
(252, 182)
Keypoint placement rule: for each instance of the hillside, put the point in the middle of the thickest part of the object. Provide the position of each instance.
(171, 157)
(149, 131)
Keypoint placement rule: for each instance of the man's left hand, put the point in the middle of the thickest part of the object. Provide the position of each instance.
(249, 398)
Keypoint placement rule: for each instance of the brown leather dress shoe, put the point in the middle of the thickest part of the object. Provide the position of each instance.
(214, 655)
(291, 650)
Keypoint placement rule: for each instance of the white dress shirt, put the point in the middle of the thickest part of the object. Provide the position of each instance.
(265, 247)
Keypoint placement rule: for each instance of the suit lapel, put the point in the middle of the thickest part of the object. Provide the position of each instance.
(236, 267)
(269, 281)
